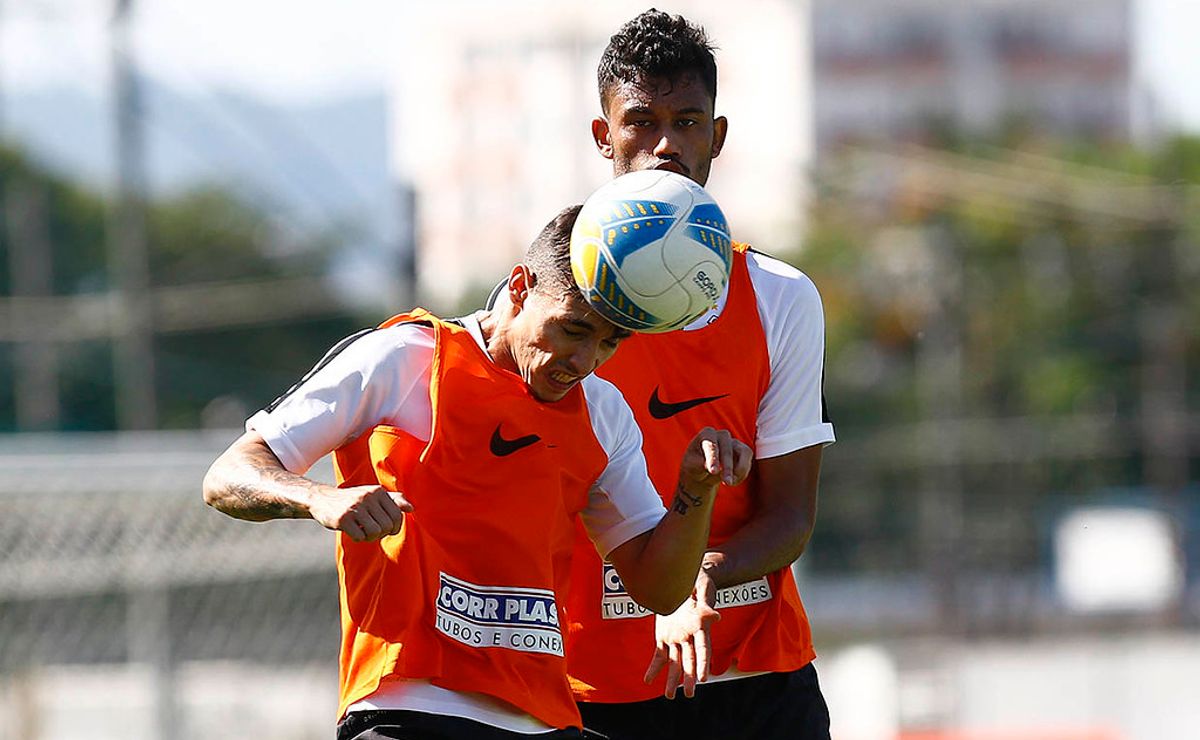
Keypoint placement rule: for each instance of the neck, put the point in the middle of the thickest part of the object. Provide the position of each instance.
(494, 328)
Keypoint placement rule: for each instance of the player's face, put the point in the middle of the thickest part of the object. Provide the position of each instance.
(661, 124)
(559, 342)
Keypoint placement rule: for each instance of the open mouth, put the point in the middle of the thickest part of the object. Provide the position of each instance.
(563, 381)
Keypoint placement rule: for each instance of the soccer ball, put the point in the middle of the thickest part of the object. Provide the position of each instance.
(651, 251)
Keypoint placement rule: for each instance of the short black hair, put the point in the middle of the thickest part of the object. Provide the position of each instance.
(549, 256)
(656, 45)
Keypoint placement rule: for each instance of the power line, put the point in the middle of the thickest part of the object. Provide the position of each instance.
(175, 310)
(918, 170)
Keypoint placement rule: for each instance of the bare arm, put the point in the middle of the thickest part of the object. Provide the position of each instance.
(772, 539)
(249, 482)
(777, 533)
(659, 567)
(784, 485)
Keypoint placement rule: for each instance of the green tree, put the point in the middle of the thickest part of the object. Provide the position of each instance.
(979, 289)
(201, 238)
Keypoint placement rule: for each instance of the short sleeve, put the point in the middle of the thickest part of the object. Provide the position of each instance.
(375, 377)
(791, 414)
(623, 503)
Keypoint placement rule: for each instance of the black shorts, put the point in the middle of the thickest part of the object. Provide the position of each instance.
(395, 724)
(774, 706)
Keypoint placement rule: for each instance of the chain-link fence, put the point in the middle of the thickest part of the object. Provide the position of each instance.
(128, 609)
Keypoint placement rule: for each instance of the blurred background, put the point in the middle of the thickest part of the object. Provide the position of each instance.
(998, 199)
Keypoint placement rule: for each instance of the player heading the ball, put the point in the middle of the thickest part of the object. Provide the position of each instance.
(651, 251)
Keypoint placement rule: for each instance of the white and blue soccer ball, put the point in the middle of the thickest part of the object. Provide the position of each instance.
(651, 251)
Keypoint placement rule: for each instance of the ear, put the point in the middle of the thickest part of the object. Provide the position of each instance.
(720, 131)
(520, 281)
(602, 137)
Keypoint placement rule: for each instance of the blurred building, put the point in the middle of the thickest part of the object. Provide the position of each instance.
(900, 69)
(493, 102)
(492, 124)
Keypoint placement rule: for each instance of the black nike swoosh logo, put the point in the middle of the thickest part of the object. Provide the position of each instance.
(660, 409)
(501, 447)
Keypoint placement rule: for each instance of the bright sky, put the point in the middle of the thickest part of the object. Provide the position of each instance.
(284, 49)
(305, 49)
(1170, 58)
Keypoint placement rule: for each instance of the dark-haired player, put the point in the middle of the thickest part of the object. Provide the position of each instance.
(466, 452)
(753, 365)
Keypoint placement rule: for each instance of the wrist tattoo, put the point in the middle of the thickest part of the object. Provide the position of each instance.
(684, 501)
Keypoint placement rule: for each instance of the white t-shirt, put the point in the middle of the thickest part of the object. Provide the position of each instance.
(382, 377)
(791, 414)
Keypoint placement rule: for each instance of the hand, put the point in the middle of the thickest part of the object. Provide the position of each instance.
(365, 513)
(684, 640)
(711, 458)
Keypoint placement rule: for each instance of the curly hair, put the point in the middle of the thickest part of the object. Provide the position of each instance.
(656, 45)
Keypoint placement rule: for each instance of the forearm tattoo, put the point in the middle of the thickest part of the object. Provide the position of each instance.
(684, 501)
(264, 494)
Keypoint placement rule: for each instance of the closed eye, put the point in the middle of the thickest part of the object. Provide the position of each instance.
(616, 338)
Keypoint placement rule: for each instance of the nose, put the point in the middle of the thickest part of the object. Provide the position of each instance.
(584, 359)
(667, 147)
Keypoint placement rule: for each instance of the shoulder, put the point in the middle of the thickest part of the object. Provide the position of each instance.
(603, 398)
(787, 299)
(776, 283)
(788, 304)
(370, 357)
(612, 419)
(399, 343)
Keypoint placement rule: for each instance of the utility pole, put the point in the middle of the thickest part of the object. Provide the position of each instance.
(25, 212)
(407, 243)
(30, 259)
(940, 385)
(148, 614)
(129, 269)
